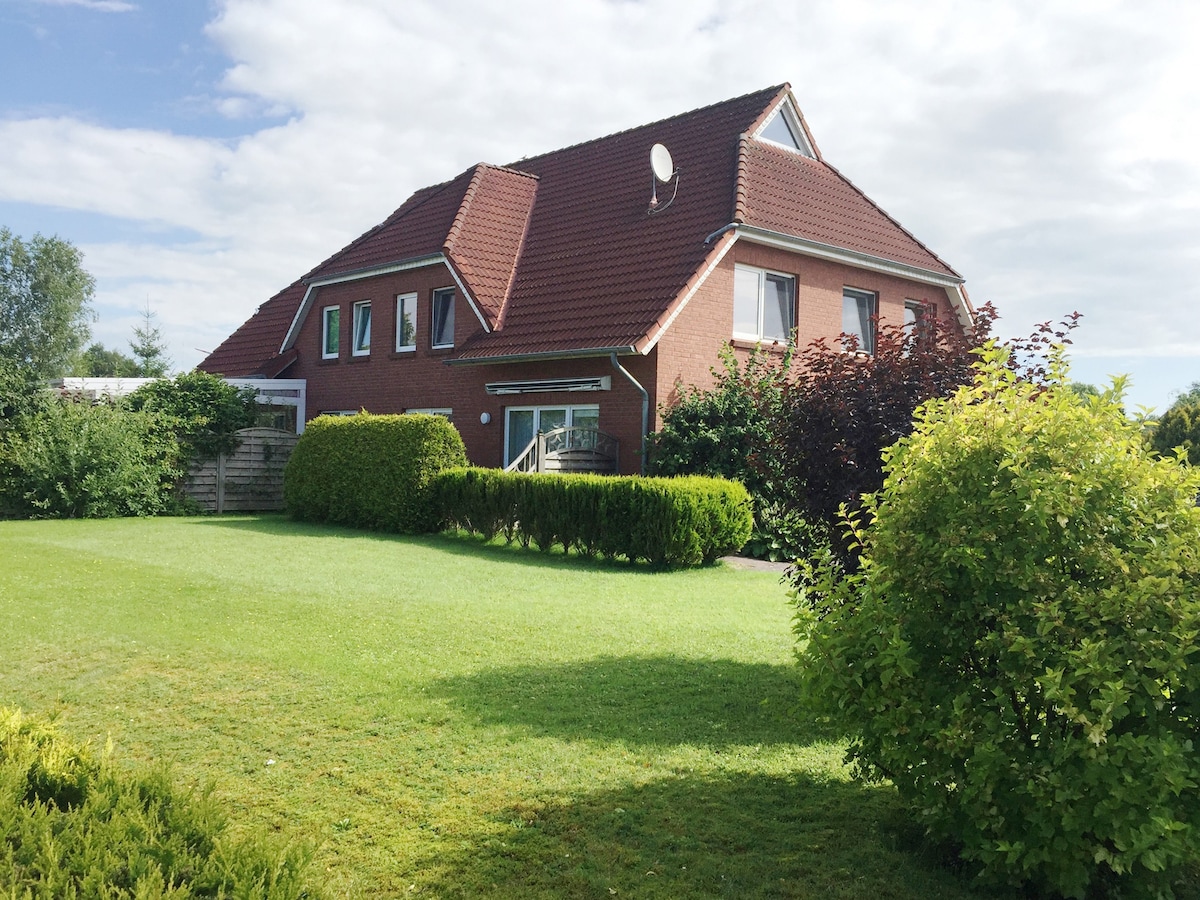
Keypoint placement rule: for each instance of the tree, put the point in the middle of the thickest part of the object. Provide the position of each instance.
(98, 361)
(202, 410)
(45, 303)
(1189, 397)
(148, 347)
(1178, 427)
(1016, 651)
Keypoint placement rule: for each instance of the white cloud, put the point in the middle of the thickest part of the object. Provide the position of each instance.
(1046, 148)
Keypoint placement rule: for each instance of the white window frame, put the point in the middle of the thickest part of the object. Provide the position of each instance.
(406, 304)
(445, 411)
(762, 281)
(361, 348)
(337, 335)
(437, 295)
(867, 344)
(571, 409)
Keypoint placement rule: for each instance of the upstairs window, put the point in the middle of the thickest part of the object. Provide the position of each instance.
(764, 305)
(918, 314)
(330, 328)
(858, 319)
(443, 318)
(406, 322)
(362, 328)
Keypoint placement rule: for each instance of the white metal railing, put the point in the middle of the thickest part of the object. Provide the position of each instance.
(568, 449)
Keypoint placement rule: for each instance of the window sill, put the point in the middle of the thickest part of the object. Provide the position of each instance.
(366, 357)
(329, 360)
(772, 346)
(406, 353)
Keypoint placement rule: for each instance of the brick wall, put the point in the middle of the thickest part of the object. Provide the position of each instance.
(388, 382)
(691, 346)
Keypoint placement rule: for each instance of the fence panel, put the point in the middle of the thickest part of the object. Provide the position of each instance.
(248, 480)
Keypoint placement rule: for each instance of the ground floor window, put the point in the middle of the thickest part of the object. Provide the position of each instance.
(521, 423)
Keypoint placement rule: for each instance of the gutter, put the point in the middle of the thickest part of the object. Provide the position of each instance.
(645, 408)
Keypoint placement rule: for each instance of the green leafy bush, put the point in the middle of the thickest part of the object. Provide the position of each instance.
(202, 410)
(75, 827)
(664, 521)
(370, 471)
(1016, 652)
(78, 460)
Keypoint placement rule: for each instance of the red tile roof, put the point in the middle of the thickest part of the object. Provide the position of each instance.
(806, 198)
(559, 253)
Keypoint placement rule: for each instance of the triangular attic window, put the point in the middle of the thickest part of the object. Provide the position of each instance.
(781, 130)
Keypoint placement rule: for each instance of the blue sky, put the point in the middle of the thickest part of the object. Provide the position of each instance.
(204, 154)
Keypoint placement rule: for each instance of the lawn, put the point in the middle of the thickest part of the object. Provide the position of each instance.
(443, 718)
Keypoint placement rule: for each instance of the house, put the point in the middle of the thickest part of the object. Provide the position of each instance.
(582, 287)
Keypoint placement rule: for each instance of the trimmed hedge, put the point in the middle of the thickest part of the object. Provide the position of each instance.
(74, 827)
(370, 471)
(664, 521)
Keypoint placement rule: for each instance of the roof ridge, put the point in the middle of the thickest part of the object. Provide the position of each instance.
(512, 272)
(889, 216)
(739, 183)
(464, 207)
(774, 89)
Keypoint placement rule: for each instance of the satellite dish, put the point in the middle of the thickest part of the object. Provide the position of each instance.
(661, 164)
(664, 172)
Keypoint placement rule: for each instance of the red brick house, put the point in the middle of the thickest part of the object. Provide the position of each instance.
(578, 288)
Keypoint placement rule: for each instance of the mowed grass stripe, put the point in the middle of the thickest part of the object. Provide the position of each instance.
(446, 718)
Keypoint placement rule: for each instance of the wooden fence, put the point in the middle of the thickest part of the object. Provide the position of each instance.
(248, 480)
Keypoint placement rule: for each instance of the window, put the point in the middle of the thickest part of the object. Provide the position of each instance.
(858, 313)
(443, 411)
(443, 317)
(406, 322)
(917, 316)
(330, 325)
(764, 305)
(522, 423)
(362, 328)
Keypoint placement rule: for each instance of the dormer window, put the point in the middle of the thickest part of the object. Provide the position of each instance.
(362, 328)
(443, 318)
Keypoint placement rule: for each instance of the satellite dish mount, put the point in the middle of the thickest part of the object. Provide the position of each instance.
(663, 171)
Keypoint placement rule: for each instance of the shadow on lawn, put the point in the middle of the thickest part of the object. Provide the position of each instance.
(457, 544)
(651, 700)
(733, 835)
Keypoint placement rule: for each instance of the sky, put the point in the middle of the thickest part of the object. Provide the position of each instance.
(203, 154)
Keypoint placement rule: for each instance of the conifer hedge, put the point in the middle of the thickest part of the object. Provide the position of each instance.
(75, 827)
(664, 521)
(371, 471)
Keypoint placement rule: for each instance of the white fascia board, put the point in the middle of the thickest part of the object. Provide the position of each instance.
(419, 262)
(716, 260)
(952, 284)
(487, 329)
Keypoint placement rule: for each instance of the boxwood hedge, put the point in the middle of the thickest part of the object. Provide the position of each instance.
(664, 521)
(371, 471)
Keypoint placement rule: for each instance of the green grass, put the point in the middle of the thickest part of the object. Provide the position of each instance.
(443, 718)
